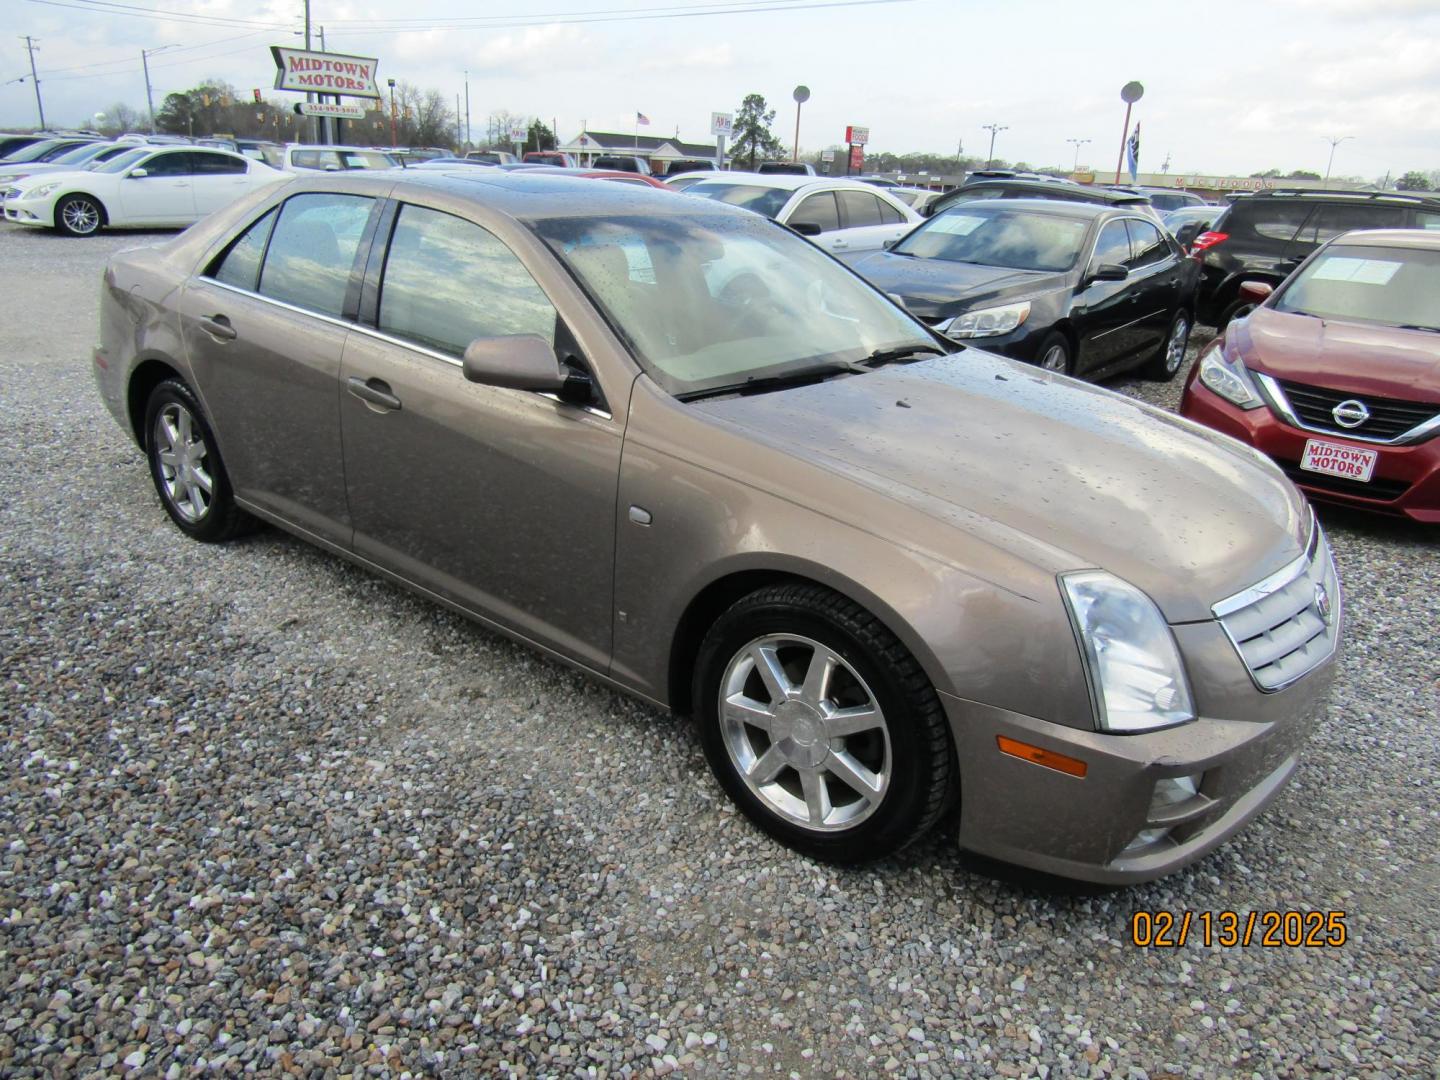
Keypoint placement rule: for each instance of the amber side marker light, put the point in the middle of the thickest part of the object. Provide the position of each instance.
(1051, 760)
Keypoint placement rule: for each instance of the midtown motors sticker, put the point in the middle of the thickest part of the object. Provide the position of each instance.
(325, 73)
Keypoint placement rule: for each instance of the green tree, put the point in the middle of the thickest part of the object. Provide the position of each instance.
(752, 135)
(1414, 180)
(1302, 174)
(539, 137)
(1268, 174)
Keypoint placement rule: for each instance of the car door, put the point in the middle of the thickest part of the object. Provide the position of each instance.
(1102, 313)
(501, 501)
(158, 191)
(219, 179)
(264, 326)
(820, 209)
(867, 221)
(1153, 285)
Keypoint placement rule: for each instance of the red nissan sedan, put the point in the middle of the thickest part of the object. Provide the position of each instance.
(1336, 374)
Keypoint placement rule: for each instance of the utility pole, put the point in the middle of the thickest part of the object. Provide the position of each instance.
(1334, 142)
(467, 110)
(34, 78)
(394, 139)
(994, 130)
(316, 127)
(145, 55)
(1077, 143)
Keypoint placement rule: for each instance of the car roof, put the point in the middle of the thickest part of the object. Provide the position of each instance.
(1422, 239)
(792, 181)
(1413, 197)
(534, 195)
(1089, 194)
(1067, 208)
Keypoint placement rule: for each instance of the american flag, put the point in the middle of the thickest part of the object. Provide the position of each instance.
(641, 118)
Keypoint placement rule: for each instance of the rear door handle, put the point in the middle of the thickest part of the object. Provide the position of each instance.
(218, 326)
(374, 392)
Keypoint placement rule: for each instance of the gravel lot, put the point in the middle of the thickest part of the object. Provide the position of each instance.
(264, 812)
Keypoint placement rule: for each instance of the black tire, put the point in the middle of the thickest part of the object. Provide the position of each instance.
(1165, 364)
(923, 777)
(1055, 354)
(79, 215)
(211, 517)
(1236, 309)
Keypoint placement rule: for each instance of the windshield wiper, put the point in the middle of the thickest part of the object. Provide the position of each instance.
(889, 356)
(760, 385)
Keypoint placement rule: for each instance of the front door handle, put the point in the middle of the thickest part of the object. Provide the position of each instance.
(218, 326)
(374, 392)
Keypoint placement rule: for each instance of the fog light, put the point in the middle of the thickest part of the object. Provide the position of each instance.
(1169, 791)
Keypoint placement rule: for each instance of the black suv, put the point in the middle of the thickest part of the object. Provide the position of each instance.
(1262, 237)
(1041, 189)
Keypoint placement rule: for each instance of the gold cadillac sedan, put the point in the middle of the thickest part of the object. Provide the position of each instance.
(676, 446)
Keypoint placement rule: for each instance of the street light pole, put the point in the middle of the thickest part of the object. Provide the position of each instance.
(1334, 142)
(394, 139)
(1077, 143)
(994, 130)
(467, 110)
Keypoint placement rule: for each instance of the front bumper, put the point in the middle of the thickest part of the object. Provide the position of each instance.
(1406, 479)
(1244, 748)
(22, 211)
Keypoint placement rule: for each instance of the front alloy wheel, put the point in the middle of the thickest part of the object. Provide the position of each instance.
(805, 732)
(78, 216)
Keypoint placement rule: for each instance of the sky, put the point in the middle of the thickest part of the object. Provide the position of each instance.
(1226, 91)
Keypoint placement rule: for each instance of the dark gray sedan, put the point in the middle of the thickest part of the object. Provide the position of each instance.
(674, 445)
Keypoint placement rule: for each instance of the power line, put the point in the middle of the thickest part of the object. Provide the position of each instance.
(677, 9)
(95, 7)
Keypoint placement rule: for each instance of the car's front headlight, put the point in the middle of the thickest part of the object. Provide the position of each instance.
(11, 177)
(40, 192)
(987, 322)
(1228, 378)
(1131, 658)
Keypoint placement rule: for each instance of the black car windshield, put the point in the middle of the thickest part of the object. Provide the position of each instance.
(763, 200)
(995, 235)
(717, 300)
(1391, 286)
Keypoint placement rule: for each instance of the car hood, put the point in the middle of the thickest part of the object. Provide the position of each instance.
(936, 288)
(1062, 474)
(63, 176)
(1355, 358)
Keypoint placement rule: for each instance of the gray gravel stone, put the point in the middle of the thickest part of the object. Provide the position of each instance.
(266, 813)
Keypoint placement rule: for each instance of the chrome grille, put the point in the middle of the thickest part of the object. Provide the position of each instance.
(1287, 625)
(1389, 418)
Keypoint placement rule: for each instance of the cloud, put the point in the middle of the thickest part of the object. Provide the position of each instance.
(710, 57)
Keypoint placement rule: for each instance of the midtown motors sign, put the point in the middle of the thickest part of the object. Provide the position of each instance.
(325, 73)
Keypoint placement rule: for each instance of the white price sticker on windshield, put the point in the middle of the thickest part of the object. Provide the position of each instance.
(1360, 271)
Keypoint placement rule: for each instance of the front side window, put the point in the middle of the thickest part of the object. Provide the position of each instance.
(313, 250)
(173, 164)
(819, 210)
(1147, 245)
(447, 282)
(991, 235)
(240, 265)
(1112, 245)
(1388, 285)
(709, 302)
(1330, 221)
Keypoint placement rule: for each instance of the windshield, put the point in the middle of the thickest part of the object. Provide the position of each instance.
(35, 151)
(711, 301)
(996, 236)
(124, 161)
(1387, 285)
(763, 200)
(80, 154)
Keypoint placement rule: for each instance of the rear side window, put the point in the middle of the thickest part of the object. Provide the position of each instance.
(1332, 220)
(1274, 221)
(313, 250)
(203, 164)
(447, 282)
(1427, 219)
(818, 210)
(861, 208)
(1147, 244)
(240, 266)
(889, 215)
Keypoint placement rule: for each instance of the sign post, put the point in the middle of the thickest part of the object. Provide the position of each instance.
(312, 73)
(801, 95)
(722, 125)
(517, 135)
(856, 138)
(1130, 93)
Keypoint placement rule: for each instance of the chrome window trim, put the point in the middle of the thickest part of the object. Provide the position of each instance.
(371, 332)
(1281, 404)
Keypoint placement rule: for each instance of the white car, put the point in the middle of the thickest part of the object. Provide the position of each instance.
(302, 158)
(147, 187)
(838, 215)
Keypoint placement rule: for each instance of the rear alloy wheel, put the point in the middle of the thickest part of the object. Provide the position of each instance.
(79, 215)
(821, 726)
(186, 468)
(1171, 357)
(1054, 354)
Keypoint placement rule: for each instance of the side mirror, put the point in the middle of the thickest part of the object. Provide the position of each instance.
(1108, 272)
(890, 243)
(1256, 292)
(897, 300)
(138, 174)
(805, 228)
(524, 362)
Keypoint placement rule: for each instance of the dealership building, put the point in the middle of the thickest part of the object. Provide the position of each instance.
(659, 152)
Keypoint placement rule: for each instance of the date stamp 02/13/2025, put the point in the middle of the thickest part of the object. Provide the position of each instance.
(1231, 929)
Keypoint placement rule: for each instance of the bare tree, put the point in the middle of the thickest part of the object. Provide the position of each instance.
(118, 119)
(498, 125)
